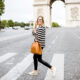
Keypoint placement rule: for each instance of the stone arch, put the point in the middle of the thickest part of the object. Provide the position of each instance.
(51, 1)
(72, 9)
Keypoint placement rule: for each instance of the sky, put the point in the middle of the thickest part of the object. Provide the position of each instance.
(58, 12)
(22, 11)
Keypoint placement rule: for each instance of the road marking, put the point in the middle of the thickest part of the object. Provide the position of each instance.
(15, 72)
(9, 63)
(58, 62)
(14, 36)
(6, 57)
(76, 35)
(54, 40)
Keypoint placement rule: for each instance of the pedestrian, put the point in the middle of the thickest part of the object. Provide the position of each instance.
(39, 33)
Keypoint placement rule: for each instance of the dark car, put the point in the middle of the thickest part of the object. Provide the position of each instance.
(27, 27)
(16, 27)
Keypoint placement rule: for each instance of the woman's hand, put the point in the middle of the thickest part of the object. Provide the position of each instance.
(35, 26)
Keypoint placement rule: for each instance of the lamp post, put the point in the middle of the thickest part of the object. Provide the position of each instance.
(0, 19)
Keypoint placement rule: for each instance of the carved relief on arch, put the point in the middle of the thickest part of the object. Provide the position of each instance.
(39, 0)
(75, 13)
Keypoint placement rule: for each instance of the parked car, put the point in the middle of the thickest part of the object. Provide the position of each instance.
(27, 27)
(31, 27)
(16, 28)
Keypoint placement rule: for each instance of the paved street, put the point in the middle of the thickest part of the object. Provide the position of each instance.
(62, 51)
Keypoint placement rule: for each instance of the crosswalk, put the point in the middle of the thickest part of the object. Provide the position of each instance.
(15, 72)
(19, 68)
(6, 57)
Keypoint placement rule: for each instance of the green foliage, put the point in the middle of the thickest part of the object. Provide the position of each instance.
(10, 23)
(27, 24)
(32, 24)
(54, 24)
(2, 6)
(3, 23)
(22, 24)
(16, 24)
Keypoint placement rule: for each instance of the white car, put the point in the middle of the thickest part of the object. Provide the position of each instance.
(16, 28)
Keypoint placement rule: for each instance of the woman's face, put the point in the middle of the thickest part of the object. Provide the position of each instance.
(40, 21)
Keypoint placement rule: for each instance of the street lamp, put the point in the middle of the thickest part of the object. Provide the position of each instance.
(0, 19)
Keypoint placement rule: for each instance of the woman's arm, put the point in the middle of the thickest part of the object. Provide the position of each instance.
(34, 31)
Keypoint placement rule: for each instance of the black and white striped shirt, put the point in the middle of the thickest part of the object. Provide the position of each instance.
(40, 35)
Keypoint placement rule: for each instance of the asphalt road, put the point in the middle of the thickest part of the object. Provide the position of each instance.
(62, 50)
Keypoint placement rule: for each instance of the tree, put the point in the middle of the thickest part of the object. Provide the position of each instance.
(4, 23)
(16, 24)
(10, 23)
(31, 24)
(54, 24)
(22, 24)
(27, 24)
(2, 6)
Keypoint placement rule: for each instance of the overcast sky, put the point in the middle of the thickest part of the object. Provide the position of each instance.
(22, 10)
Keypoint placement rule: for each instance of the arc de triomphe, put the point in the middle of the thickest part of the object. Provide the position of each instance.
(72, 9)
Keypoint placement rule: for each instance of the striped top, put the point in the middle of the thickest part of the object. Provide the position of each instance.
(40, 34)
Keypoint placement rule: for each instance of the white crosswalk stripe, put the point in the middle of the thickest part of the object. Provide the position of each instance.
(6, 56)
(15, 72)
(58, 62)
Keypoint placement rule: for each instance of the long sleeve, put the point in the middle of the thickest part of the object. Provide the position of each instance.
(33, 33)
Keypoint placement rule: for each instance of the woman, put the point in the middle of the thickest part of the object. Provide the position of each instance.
(39, 34)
